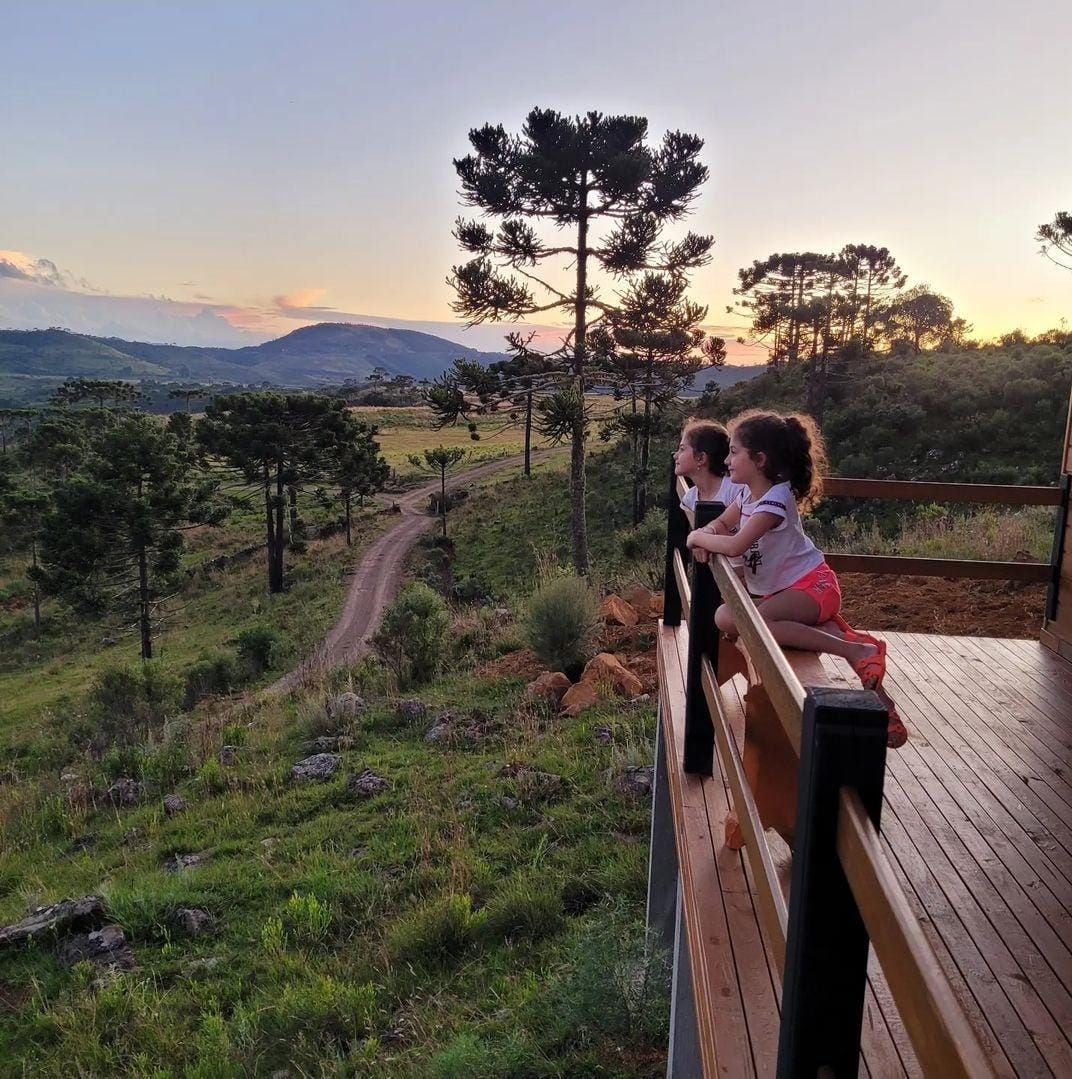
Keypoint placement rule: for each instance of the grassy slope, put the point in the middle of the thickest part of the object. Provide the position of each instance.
(376, 979)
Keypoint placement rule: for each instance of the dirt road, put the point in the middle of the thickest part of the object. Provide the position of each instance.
(375, 579)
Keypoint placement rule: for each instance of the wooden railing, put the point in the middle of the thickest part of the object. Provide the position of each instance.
(844, 894)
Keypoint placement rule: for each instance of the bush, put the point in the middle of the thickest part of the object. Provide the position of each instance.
(127, 703)
(561, 623)
(211, 676)
(412, 635)
(526, 907)
(434, 933)
(257, 649)
(307, 918)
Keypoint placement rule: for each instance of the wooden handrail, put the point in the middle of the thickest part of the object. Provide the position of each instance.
(779, 680)
(974, 569)
(994, 494)
(682, 577)
(772, 908)
(940, 1033)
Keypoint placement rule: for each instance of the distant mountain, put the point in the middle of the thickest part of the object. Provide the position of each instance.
(328, 352)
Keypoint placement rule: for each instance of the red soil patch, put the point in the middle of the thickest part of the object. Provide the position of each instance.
(520, 664)
(939, 605)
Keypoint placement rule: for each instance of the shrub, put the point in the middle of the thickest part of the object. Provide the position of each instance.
(525, 907)
(211, 676)
(307, 918)
(257, 649)
(561, 623)
(127, 703)
(412, 635)
(434, 933)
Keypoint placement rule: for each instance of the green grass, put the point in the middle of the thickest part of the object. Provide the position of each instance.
(431, 927)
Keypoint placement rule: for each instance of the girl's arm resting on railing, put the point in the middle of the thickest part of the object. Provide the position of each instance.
(759, 523)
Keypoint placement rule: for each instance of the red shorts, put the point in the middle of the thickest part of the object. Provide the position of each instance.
(822, 585)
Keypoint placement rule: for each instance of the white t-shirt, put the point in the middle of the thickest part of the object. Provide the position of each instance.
(728, 493)
(782, 555)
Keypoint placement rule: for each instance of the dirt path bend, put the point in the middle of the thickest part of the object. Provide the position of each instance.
(375, 579)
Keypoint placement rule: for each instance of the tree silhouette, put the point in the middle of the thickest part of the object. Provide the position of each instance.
(1056, 239)
(439, 462)
(571, 174)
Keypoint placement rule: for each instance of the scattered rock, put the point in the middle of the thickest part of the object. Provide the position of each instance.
(269, 842)
(205, 963)
(125, 792)
(177, 862)
(607, 669)
(228, 755)
(83, 842)
(322, 744)
(70, 777)
(345, 741)
(655, 605)
(475, 732)
(69, 914)
(194, 921)
(174, 803)
(579, 697)
(365, 784)
(104, 947)
(643, 698)
(502, 614)
(509, 801)
(411, 709)
(358, 852)
(315, 769)
(636, 780)
(550, 686)
(639, 598)
(438, 732)
(603, 734)
(132, 835)
(618, 612)
(346, 705)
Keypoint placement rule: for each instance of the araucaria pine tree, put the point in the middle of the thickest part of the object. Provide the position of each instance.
(549, 190)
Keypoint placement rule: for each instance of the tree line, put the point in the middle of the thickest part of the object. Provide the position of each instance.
(98, 497)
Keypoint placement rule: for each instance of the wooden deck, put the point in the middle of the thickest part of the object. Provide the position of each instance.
(978, 823)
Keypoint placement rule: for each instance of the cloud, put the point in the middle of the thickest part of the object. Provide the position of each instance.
(1036, 299)
(300, 298)
(23, 267)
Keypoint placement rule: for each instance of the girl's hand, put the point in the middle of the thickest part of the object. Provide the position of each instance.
(700, 555)
(694, 538)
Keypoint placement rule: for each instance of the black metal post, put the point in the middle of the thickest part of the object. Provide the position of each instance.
(699, 749)
(843, 744)
(677, 531)
(1057, 554)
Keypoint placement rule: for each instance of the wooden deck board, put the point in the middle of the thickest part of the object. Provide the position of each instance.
(978, 823)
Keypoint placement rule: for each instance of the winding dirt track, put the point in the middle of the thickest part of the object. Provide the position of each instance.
(375, 579)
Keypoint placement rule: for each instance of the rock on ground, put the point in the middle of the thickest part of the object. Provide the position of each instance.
(637, 780)
(194, 921)
(618, 612)
(104, 947)
(365, 784)
(174, 803)
(411, 709)
(125, 792)
(315, 769)
(346, 706)
(551, 686)
(69, 914)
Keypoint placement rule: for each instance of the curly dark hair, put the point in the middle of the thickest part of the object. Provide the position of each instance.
(706, 436)
(794, 449)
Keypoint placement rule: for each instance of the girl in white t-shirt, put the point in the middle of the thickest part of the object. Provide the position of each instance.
(777, 462)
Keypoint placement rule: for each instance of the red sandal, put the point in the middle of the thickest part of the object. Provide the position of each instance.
(896, 731)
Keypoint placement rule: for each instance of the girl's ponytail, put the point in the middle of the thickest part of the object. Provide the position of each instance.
(805, 459)
(794, 449)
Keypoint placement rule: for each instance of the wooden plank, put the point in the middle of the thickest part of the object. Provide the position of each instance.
(781, 683)
(973, 569)
(723, 1033)
(943, 1039)
(774, 916)
(683, 589)
(1039, 1001)
(924, 491)
(756, 972)
(958, 719)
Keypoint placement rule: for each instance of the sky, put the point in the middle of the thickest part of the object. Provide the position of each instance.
(222, 173)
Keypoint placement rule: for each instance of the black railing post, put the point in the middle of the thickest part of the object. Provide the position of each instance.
(699, 749)
(843, 744)
(1058, 551)
(677, 531)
